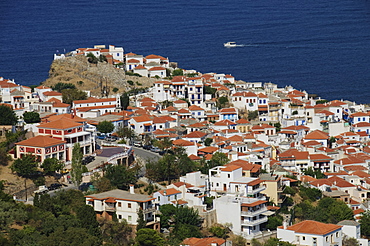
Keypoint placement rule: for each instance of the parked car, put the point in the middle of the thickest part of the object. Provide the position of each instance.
(101, 136)
(162, 152)
(147, 147)
(88, 159)
(41, 190)
(137, 144)
(55, 186)
(155, 149)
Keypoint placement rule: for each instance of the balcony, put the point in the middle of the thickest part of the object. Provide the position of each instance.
(255, 191)
(151, 209)
(253, 222)
(253, 213)
(109, 208)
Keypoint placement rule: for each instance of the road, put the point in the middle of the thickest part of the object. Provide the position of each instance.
(146, 154)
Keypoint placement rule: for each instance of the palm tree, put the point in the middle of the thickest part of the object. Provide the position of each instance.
(126, 132)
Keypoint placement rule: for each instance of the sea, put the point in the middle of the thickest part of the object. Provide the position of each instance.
(322, 47)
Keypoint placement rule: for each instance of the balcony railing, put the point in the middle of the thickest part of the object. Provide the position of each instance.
(109, 208)
(253, 222)
(258, 190)
(253, 213)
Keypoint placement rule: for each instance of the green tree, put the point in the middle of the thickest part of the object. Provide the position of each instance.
(118, 233)
(238, 240)
(276, 242)
(25, 166)
(178, 72)
(252, 114)
(115, 89)
(219, 231)
(218, 159)
(365, 224)
(312, 194)
(11, 139)
(277, 126)
(167, 213)
(4, 157)
(208, 141)
(314, 173)
(8, 116)
(70, 95)
(221, 102)
(148, 237)
(126, 132)
(105, 127)
(59, 87)
(87, 219)
(102, 58)
(330, 210)
(140, 220)
(52, 165)
(350, 241)
(120, 176)
(322, 101)
(31, 117)
(164, 144)
(91, 58)
(10, 213)
(166, 103)
(170, 166)
(273, 222)
(77, 168)
(209, 90)
(125, 100)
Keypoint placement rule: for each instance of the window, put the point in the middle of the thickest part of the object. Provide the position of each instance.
(119, 216)
(119, 204)
(129, 218)
(228, 175)
(303, 238)
(129, 205)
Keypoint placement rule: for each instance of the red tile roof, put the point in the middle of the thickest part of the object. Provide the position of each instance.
(41, 141)
(313, 227)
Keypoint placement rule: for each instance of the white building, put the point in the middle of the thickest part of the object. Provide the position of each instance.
(245, 204)
(124, 204)
(311, 233)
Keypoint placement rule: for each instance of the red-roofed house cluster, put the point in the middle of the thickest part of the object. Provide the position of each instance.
(288, 134)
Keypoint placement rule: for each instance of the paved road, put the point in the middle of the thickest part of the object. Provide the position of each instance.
(146, 154)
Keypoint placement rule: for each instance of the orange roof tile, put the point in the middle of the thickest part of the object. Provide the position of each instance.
(169, 192)
(41, 141)
(62, 123)
(313, 227)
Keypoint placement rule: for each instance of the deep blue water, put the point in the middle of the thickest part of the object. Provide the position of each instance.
(322, 47)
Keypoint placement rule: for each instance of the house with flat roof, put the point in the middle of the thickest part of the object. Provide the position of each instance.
(125, 205)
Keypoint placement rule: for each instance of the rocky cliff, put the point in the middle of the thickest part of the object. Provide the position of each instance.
(93, 77)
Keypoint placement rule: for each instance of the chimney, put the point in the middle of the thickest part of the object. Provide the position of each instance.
(132, 190)
(165, 192)
(284, 225)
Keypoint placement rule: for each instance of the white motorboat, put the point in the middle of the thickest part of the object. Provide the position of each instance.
(230, 44)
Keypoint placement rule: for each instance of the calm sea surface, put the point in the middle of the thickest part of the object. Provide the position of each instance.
(322, 47)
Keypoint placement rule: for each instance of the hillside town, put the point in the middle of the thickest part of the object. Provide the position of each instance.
(250, 145)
